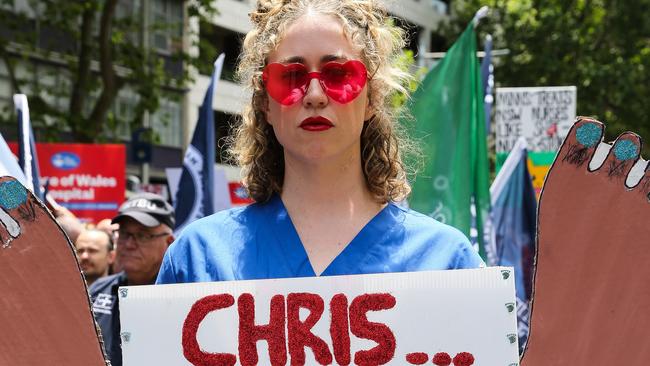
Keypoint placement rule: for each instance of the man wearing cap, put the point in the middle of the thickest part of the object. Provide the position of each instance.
(145, 223)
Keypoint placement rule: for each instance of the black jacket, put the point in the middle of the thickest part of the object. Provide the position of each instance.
(103, 294)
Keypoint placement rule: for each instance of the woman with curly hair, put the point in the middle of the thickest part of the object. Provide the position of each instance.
(320, 156)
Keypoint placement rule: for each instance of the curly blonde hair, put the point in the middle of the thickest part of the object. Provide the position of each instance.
(366, 24)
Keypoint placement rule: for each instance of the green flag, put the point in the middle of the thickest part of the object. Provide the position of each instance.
(449, 125)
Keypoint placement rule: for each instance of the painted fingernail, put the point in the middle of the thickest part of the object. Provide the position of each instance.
(588, 134)
(625, 150)
(12, 195)
(10, 224)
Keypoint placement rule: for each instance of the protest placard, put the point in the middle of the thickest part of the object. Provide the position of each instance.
(543, 115)
(459, 317)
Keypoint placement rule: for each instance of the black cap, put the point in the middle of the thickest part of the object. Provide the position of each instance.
(149, 209)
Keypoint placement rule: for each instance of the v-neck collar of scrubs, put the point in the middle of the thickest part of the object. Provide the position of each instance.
(351, 257)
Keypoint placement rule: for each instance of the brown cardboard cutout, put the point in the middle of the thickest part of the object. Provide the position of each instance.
(591, 297)
(45, 313)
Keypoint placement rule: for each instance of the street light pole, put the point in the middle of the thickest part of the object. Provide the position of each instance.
(146, 123)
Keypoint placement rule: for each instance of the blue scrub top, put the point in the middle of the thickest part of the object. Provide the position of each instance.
(259, 241)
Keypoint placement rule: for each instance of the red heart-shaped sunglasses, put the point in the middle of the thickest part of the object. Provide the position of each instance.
(288, 83)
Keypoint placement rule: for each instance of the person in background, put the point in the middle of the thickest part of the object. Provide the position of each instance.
(145, 231)
(111, 229)
(70, 225)
(108, 227)
(95, 254)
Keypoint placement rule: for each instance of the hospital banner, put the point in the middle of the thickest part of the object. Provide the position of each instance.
(87, 179)
(460, 317)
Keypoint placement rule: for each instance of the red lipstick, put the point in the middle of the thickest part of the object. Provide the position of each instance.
(316, 124)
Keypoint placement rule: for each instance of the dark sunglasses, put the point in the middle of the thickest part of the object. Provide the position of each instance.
(288, 83)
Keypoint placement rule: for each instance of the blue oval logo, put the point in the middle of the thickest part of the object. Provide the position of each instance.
(65, 160)
(241, 192)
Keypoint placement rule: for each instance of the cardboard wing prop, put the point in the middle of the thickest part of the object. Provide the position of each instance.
(591, 298)
(45, 314)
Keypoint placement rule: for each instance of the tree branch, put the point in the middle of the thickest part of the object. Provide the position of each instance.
(79, 89)
(109, 78)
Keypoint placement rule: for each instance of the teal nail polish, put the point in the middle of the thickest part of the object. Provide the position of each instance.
(625, 150)
(12, 195)
(588, 134)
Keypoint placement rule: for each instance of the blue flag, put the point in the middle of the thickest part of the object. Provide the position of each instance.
(514, 209)
(194, 198)
(27, 157)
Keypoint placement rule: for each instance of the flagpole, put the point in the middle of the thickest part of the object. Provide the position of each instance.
(145, 171)
(20, 102)
(27, 155)
(8, 163)
(480, 14)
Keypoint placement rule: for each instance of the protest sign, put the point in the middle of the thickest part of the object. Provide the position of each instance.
(543, 115)
(462, 317)
(87, 179)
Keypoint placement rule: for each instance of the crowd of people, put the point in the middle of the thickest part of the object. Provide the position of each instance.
(125, 250)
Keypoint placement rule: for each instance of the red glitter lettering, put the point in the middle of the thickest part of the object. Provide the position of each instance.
(300, 335)
(417, 358)
(339, 329)
(378, 332)
(273, 333)
(442, 359)
(191, 349)
(464, 359)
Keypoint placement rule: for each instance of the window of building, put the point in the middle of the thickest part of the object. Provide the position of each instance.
(166, 122)
(213, 41)
(124, 112)
(53, 84)
(128, 16)
(167, 25)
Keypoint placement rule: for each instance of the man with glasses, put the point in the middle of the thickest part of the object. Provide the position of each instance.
(145, 231)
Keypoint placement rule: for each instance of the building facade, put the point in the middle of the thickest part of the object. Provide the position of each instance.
(177, 114)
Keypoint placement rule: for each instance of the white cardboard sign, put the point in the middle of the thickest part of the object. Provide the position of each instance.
(543, 115)
(393, 319)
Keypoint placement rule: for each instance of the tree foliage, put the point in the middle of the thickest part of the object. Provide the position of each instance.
(601, 46)
(93, 50)
(406, 63)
